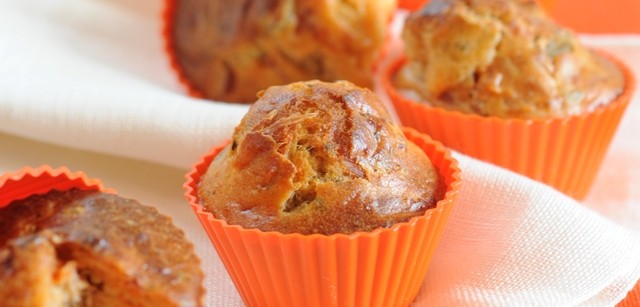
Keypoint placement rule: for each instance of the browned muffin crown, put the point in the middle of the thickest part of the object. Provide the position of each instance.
(230, 50)
(315, 157)
(503, 58)
(88, 248)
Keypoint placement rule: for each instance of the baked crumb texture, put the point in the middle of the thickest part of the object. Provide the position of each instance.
(503, 58)
(230, 50)
(87, 248)
(315, 157)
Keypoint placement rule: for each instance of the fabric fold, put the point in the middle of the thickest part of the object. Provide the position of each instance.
(515, 242)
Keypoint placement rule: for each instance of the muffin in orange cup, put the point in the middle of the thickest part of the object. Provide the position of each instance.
(230, 50)
(286, 241)
(66, 240)
(518, 91)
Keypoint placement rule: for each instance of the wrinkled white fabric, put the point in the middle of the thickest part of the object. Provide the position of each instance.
(93, 75)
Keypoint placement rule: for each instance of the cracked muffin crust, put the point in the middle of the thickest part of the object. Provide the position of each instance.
(502, 58)
(230, 50)
(315, 157)
(88, 248)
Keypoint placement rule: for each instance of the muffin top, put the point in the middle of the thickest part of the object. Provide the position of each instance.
(502, 58)
(230, 50)
(90, 231)
(314, 157)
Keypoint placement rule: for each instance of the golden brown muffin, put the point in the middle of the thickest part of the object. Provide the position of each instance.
(314, 157)
(87, 248)
(230, 50)
(502, 58)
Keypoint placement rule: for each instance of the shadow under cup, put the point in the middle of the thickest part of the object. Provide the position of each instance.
(565, 153)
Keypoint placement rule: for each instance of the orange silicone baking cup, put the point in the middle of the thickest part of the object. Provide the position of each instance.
(29, 181)
(564, 153)
(411, 5)
(632, 299)
(168, 23)
(384, 267)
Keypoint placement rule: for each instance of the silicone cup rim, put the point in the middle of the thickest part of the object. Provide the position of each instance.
(28, 181)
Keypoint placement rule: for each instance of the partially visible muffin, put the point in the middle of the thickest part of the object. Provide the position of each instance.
(502, 58)
(314, 157)
(230, 50)
(88, 248)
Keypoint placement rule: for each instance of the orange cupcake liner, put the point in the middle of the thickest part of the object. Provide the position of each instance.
(29, 181)
(565, 153)
(385, 267)
(632, 299)
(168, 24)
(411, 5)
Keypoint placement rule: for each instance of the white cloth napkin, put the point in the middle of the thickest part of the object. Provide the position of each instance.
(92, 75)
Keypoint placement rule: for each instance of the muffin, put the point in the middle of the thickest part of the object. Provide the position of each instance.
(499, 81)
(318, 200)
(91, 248)
(230, 50)
(329, 160)
(502, 58)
